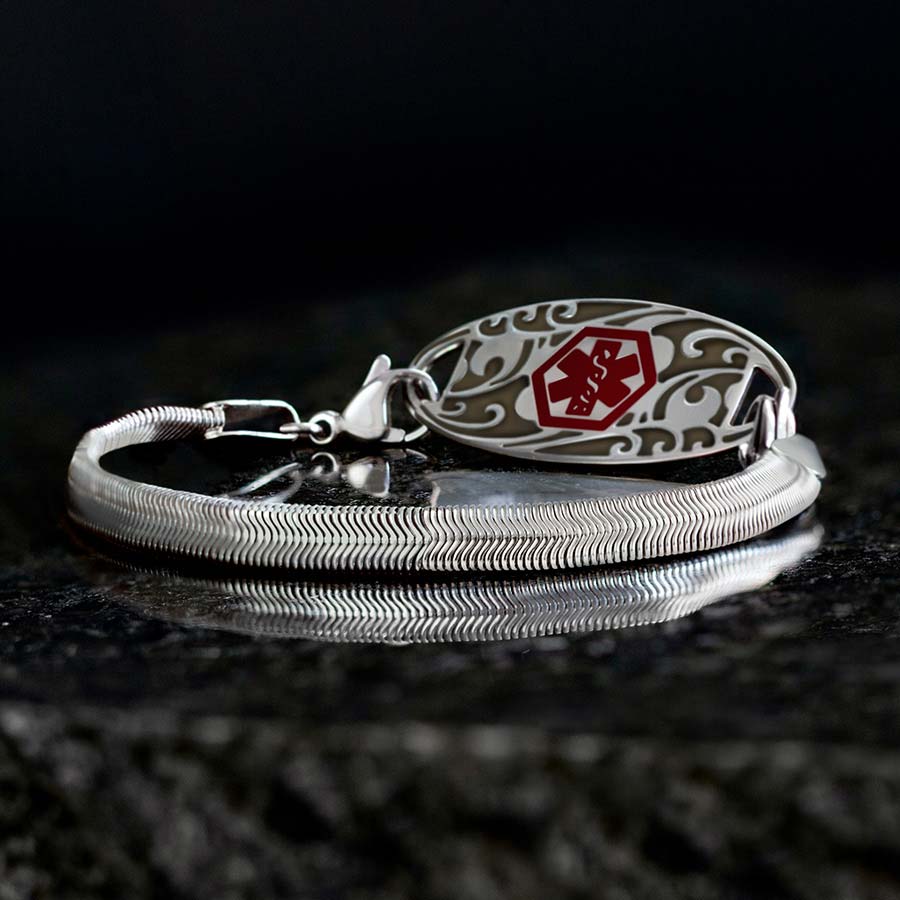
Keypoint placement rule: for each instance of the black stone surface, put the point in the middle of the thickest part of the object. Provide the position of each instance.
(751, 750)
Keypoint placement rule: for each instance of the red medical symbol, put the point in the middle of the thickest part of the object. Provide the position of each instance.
(601, 372)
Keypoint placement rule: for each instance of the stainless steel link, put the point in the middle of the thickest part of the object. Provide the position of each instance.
(527, 537)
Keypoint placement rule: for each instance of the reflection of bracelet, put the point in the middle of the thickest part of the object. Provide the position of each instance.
(485, 608)
(586, 382)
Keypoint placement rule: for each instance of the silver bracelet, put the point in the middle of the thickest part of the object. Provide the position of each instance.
(485, 608)
(585, 382)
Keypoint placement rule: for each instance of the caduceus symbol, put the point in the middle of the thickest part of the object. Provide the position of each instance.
(598, 375)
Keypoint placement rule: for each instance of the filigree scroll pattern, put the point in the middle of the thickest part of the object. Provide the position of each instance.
(703, 367)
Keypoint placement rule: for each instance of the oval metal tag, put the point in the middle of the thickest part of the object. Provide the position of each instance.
(600, 381)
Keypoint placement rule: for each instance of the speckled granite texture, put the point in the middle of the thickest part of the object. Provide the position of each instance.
(751, 750)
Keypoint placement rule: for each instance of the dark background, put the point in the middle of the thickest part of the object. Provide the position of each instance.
(204, 200)
(161, 160)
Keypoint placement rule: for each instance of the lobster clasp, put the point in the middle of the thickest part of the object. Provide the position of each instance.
(367, 417)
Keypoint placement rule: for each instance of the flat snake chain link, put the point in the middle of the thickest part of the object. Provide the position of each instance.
(483, 609)
(686, 518)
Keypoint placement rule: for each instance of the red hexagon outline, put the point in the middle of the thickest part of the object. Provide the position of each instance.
(539, 384)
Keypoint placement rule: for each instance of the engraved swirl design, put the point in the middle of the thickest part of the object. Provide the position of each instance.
(527, 537)
(704, 365)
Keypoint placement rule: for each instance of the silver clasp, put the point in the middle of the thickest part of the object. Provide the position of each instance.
(251, 418)
(367, 417)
